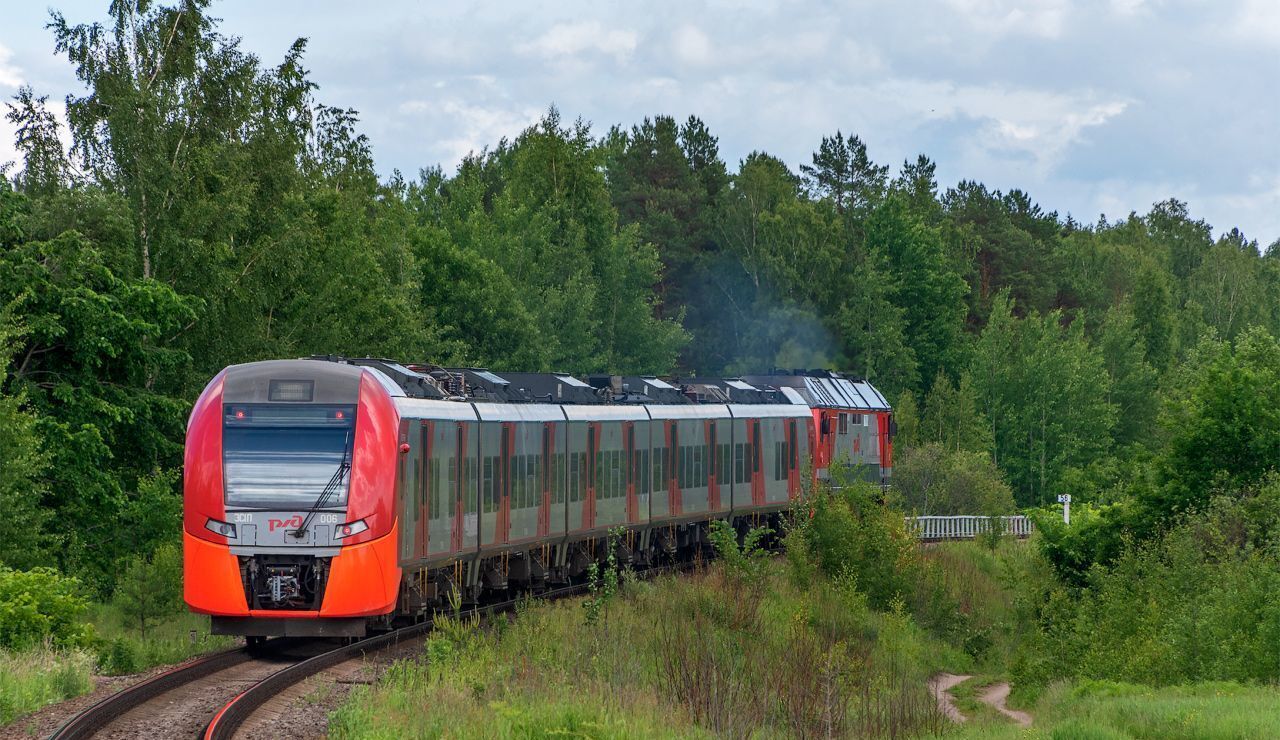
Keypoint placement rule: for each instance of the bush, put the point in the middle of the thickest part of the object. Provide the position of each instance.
(41, 605)
(1195, 604)
(151, 588)
(850, 531)
(933, 480)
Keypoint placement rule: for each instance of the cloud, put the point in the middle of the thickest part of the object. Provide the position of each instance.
(10, 74)
(691, 45)
(470, 127)
(1044, 18)
(1259, 20)
(573, 39)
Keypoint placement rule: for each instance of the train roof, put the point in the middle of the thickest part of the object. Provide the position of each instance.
(825, 389)
(809, 388)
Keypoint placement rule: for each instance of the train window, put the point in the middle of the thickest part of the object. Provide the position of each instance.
(555, 476)
(844, 423)
(490, 486)
(284, 456)
(575, 477)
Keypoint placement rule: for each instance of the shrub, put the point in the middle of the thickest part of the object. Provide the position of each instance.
(850, 530)
(151, 588)
(38, 605)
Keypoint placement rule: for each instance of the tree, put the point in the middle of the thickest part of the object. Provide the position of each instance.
(1044, 390)
(935, 481)
(150, 587)
(1224, 429)
(45, 166)
(1133, 380)
(24, 542)
(927, 285)
(843, 174)
(952, 418)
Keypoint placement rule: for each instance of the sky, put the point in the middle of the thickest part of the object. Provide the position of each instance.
(1092, 107)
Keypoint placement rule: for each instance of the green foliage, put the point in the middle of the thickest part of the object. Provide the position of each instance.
(150, 587)
(851, 533)
(1044, 389)
(1224, 429)
(743, 562)
(23, 464)
(36, 677)
(38, 605)
(936, 481)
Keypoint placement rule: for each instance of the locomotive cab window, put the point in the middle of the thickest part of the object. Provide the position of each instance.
(285, 457)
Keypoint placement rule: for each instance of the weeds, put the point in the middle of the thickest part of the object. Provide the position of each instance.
(33, 678)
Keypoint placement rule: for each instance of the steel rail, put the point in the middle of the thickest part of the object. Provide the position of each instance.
(236, 712)
(88, 722)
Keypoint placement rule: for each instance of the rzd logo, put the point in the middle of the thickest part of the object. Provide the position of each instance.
(294, 522)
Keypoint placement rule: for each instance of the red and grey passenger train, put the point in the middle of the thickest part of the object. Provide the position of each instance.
(329, 496)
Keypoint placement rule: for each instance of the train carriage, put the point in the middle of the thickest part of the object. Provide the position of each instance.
(328, 496)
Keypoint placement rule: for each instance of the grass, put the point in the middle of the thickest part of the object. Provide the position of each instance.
(702, 655)
(31, 679)
(124, 650)
(35, 678)
(1107, 711)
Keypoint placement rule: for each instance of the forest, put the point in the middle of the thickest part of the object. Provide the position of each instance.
(212, 208)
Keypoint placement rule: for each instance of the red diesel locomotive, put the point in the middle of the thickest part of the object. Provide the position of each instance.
(329, 496)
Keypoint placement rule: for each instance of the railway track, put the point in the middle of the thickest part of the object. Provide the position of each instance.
(153, 707)
(238, 711)
(216, 695)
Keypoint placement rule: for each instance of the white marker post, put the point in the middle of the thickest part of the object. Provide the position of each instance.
(1065, 500)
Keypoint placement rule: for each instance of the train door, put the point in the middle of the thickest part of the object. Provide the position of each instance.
(660, 501)
(755, 470)
(593, 475)
(493, 451)
(526, 480)
(422, 492)
(793, 459)
(441, 490)
(469, 487)
(675, 503)
(576, 433)
(736, 470)
(632, 463)
(546, 482)
(407, 493)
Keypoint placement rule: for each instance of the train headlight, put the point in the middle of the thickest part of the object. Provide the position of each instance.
(350, 529)
(223, 528)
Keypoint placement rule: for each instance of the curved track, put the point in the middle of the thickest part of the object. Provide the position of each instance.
(100, 715)
(233, 685)
(161, 706)
(231, 717)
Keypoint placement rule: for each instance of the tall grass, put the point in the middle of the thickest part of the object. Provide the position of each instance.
(698, 655)
(31, 679)
(121, 649)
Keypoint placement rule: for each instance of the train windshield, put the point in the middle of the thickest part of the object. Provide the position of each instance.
(282, 457)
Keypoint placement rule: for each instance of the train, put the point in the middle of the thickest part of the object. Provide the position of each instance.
(334, 497)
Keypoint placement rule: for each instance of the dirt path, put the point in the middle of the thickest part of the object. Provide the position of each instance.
(995, 696)
(940, 686)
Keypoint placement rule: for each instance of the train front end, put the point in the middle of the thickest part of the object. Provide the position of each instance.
(289, 519)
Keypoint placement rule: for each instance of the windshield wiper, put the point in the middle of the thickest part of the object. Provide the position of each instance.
(330, 489)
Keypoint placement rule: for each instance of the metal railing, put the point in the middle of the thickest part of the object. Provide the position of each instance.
(935, 528)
